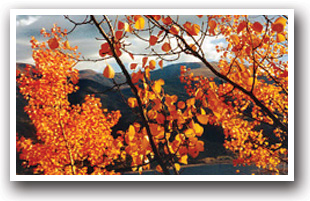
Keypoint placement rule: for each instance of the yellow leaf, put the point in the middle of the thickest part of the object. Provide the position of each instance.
(109, 72)
(183, 159)
(280, 37)
(189, 132)
(177, 166)
(235, 39)
(140, 23)
(198, 129)
(132, 102)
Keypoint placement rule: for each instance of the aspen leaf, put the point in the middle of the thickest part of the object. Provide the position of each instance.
(132, 102)
(198, 129)
(279, 25)
(212, 25)
(177, 166)
(127, 27)
(144, 60)
(235, 39)
(109, 72)
(166, 47)
(189, 132)
(183, 159)
(200, 146)
(174, 29)
(257, 27)
(152, 64)
(118, 35)
(203, 119)
(120, 25)
(241, 26)
(53, 43)
(67, 45)
(140, 23)
(153, 40)
(133, 66)
(280, 37)
(160, 63)
(167, 20)
(159, 169)
(181, 104)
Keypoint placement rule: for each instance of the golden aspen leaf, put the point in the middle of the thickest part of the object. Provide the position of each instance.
(190, 102)
(280, 37)
(166, 47)
(158, 84)
(133, 66)
(217, 114)
(53, 43)
(257, 27)
(189, 132)
(153, 40)
(235, 39)
(198, 129)
(195, 29)
(183, 159)
(109, 72)
(160, 63)
(177, 166)
(159, 169)
(152, 64)
(241, 26)
(67, 45)
(198, 93)
(127, 27)
(203, 119)
(140, 170)
(132, 102)
(174, 29)
(139, 24)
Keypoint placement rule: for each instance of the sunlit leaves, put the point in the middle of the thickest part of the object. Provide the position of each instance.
(279, 24)
(53, 43)
(257, 27)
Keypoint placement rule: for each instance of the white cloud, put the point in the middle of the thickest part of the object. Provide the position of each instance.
(26, 21)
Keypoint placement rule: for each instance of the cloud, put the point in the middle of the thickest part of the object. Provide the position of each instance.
(26, 20)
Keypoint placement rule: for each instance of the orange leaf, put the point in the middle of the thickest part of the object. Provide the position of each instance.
(118, 35)
(121, 25)
(181, 105)
(67, 45)
(166, 47)
(174, 29)
(153, 40)
(140, 23)
(109, 72)
(279, 25)
(212, 25)
(241, 26)
(152, 64)
(203, 119)
(160, 63)
(257, 27)
(133, 66)
(132, 102)
(159, 169)
(144, 60)
(200, 146)
(53, 43)
(167, 20)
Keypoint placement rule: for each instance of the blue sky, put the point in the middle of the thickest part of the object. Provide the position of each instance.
(84, 37)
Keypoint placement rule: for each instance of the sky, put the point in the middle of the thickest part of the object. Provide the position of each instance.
(85, 38)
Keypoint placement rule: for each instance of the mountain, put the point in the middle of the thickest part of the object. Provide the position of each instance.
(91, 82)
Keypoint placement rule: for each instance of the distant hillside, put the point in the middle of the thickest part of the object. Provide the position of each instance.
(91, 82)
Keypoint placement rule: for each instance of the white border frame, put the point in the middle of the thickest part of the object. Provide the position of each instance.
(14, 177)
